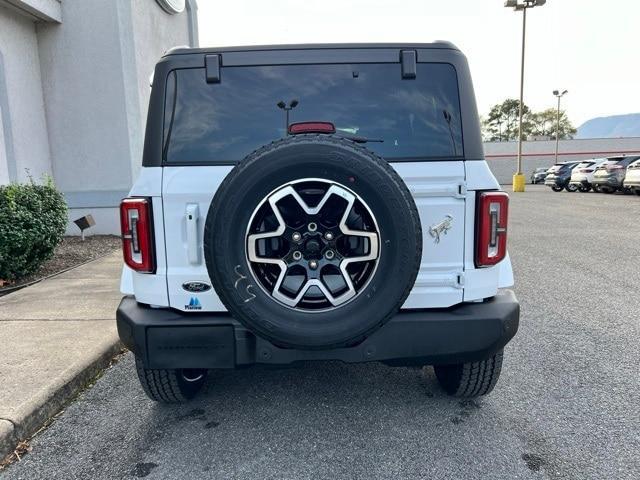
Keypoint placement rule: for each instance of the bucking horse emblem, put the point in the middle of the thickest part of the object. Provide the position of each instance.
(441, 228)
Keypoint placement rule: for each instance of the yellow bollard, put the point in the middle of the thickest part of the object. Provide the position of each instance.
(518, 182)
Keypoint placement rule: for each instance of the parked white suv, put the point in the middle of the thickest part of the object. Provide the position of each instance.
(632, 178)
(582, 174)
(316, 202)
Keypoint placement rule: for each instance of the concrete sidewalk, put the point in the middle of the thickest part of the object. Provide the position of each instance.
(54, 337)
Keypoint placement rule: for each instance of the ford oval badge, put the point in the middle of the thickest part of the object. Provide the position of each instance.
(196, 287)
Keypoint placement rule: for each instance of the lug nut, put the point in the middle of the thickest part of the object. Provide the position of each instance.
(296, 236)
(313, 264)
(328, 236)
(312, 227)
(329, 254)
(297, 255)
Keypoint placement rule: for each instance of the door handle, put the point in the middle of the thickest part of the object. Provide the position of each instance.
(192, 215)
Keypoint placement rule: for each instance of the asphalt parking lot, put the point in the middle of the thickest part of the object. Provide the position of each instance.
(567, 405)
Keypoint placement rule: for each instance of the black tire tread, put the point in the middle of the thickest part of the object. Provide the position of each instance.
(161, 385)
(471, 379)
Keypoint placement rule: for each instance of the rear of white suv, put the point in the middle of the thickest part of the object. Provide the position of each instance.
(311, 203)
(632, 178)
(582, 174)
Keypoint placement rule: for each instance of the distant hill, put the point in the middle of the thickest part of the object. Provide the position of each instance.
(611, 127)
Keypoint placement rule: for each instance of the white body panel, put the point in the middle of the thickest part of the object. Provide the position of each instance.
(632, 177)
(181, 197)
(578, 176)
(438, 189)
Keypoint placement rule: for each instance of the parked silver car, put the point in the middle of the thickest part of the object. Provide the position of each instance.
(609, 177)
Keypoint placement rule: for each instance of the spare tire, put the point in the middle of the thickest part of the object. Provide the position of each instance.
(313, 242)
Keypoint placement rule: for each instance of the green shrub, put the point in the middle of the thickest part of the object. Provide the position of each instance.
(33, 219)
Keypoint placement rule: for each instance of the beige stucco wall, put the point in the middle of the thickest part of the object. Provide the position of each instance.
(24, 143)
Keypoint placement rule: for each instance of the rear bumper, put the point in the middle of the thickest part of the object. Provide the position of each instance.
(164, 338)
(612, 182)
(556, 181)
(635, 183)
(580, 183)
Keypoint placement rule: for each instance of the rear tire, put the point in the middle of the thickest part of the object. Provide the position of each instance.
(170, 386)
(571, 188)
(470, 379)
(555, 188)
(584, 189)
(637, 191)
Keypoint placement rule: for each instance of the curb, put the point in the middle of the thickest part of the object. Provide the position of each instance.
(37, 411)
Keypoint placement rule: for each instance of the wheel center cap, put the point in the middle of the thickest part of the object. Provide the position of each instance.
(312, 246)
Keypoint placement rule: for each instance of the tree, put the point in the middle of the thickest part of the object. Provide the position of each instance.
(502, 122)
(544, 124)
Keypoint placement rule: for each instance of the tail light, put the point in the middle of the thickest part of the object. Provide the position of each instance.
(311, 127)
(491, 223)
(586, 170)
(615, 167)
(136, 222)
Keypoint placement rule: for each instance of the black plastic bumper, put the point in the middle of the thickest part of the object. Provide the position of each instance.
(165, 338)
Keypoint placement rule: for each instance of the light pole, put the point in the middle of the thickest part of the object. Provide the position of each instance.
(283, 106)
(518, 178)
(559, 96)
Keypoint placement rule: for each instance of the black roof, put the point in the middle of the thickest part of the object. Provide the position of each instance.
(437, 45)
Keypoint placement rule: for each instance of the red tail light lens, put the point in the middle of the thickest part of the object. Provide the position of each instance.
(136, 221)
(615, 167)
(585, 170)
(311, 127)
(491, 228)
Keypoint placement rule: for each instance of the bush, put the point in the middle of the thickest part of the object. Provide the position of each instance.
(33, 219)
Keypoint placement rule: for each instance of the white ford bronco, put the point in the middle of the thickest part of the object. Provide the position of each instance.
(315, 202)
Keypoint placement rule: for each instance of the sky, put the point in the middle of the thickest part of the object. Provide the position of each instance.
(590, 48)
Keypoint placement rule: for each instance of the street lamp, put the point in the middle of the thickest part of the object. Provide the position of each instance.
(283, 106)
(559, 96)
(518, 178)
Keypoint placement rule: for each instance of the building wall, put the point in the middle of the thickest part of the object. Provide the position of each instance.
(24, 143)
(85, 99)
(501, 156)
(95, 77)
(154, 32)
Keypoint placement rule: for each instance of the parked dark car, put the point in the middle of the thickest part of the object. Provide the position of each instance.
(538, 175)
(609, 176)
(559, 175)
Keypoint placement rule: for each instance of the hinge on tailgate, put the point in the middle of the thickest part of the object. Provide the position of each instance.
(462, 190)
(460, 280)
(212, 67)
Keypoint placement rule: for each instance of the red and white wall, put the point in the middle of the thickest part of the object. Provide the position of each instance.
(501, 156)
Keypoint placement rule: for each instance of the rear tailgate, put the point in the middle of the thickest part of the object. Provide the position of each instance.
(437, 188)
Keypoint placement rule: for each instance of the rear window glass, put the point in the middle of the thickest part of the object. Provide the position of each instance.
(623, 161)
(223, 122)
